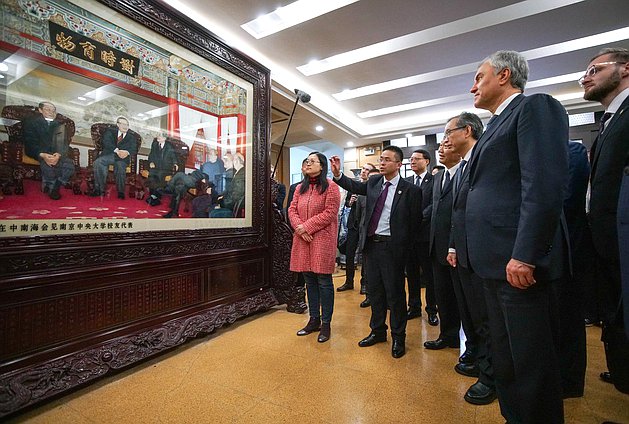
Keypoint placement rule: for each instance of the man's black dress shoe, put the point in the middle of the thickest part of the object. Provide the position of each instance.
(95, 193)
(468, 357)
(468, 370)
(480, 394)
(433, 319)
(372, 339)
(440, 344)
(365, 303)
(606, 377)
(346, 286)
(398, 349)
(120, 195)
(413, 313)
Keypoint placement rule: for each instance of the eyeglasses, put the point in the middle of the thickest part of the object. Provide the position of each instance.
(310, 161)
(449, 132)
(592, 70)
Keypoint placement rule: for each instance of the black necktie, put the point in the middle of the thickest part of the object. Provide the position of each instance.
(606, 116)
(377, 210)
(418, 180)
(446, 180)
(459, 175)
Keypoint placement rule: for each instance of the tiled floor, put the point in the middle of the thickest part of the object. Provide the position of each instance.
(259, 371)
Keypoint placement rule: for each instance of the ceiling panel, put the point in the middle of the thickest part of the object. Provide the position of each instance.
(373, 21)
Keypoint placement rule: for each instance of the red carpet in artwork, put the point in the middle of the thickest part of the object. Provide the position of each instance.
(36, 205)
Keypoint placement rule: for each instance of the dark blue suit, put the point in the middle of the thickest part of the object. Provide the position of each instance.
(623, 243)
(469, 287)
(419, 257)
(441, 213)
(609, 156)
(517, 175)
(572, 342)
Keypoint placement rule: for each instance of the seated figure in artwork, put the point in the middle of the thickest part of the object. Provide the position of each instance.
(214, 168)
(162, 163)
(44, 140)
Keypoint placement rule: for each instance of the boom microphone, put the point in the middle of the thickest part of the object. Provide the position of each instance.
(304, 98)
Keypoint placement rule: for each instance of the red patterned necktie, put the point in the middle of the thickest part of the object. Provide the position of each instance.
(377, 211)
(120, 138)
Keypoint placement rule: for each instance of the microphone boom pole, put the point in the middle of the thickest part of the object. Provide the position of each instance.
(305, 98)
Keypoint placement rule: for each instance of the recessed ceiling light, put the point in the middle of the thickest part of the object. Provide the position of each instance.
(291, 15)
(409, 135)
(81, 98)
(3, 67)
(465, 25)
(350, 144)
(1, 76)
(319, 128)
(541, 52)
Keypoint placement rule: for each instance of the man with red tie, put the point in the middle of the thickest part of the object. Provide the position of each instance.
(119, 145)
(393, 215)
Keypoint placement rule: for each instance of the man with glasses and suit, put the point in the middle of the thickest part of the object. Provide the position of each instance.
(419, 258)
(606, 80)
(392, 217)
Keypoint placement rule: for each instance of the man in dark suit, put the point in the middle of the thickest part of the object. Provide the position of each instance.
(162, 162)
(572, 340)
(606, 80)
(440, 223)
(418, 257)
(393, 215)
(119, 146)
(354, 220)
(518, 172)
(462, 133)
(44, 141)
(623, 243)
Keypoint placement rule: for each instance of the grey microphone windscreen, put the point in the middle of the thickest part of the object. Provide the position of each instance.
(302, 95)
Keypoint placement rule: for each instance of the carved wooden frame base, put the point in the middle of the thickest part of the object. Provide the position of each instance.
(27, 387)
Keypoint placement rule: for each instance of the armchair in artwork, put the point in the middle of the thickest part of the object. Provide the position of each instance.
(167, 157)
(14, 153)
(98, 132)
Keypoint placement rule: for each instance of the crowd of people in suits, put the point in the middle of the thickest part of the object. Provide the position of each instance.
(501, 234)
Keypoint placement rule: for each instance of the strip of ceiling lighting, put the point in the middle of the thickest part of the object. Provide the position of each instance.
(430, 35)
(573, 77)
(565, 47)
(291, 15)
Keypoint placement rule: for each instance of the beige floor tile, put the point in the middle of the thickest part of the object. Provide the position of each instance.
(258, 371)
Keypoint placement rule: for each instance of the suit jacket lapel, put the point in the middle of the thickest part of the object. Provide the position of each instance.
(482, 142)
(600, 139)
(377, 188)
(401, 186)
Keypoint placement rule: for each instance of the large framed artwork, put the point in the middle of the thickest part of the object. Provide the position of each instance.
(186, 161)
(135, 207)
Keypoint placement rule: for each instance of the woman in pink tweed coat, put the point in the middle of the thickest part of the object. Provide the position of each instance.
(313, 214)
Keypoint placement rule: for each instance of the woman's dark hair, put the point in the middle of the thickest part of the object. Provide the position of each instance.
(323, 177)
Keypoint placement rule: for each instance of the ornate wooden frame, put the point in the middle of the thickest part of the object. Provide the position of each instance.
(76, 307)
